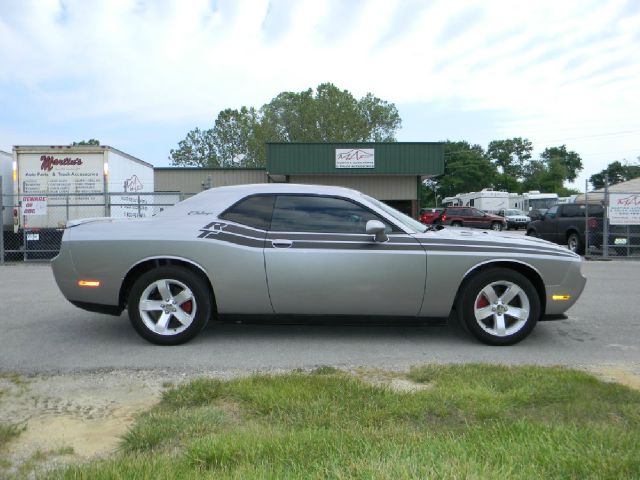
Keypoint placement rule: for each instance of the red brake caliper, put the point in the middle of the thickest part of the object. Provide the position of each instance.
(482, 302)
(187, 306)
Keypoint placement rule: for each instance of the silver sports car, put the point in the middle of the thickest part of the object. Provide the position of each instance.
(283, 249)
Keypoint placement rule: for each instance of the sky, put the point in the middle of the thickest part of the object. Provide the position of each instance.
(139, 75)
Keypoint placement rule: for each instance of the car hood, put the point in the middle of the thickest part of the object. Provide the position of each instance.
(498, 241)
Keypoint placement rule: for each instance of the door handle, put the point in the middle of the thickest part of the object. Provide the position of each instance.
(280, 243)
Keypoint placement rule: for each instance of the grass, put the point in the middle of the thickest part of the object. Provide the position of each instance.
(473, 421)
(7, 433)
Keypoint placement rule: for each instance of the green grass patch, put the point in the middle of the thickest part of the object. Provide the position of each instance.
(473, 421)
(8, 432)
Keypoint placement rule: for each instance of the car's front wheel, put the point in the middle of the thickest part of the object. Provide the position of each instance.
(499, 306)
(169, 305)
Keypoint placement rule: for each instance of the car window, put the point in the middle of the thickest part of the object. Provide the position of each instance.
(477, 213)
(253, 211)
(294, 213)
(573, 211)
(551, 213)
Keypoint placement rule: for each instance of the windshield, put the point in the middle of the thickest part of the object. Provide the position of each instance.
(401, 217)
(515, 212)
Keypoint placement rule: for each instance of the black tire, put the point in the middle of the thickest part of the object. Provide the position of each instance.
(488, 330)
(532, 233)
(497, 226)
(180, 283)
(456, 224)
(574, 243)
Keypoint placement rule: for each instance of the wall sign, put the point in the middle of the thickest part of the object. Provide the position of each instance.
(355, 158)
(624, 208)
(34, 205)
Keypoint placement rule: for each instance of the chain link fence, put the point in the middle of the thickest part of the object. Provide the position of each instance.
(612, 224)
(32, 225)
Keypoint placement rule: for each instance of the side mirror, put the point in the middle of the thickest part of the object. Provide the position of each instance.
(376, 227)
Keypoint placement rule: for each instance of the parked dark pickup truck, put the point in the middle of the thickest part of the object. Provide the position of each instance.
(565, 225)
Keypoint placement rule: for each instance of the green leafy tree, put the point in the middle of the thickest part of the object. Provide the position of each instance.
(91, 141)
(571, 161)
(618, 171)
(511, 158)
(466, 169)
(198, 149)
(233, 137)
(327, 114)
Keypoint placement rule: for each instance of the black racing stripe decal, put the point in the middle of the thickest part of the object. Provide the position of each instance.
(485, 251)
(336, 237)
(240, 240)
(347, 246)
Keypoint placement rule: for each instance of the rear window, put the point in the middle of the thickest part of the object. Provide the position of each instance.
(253, 211)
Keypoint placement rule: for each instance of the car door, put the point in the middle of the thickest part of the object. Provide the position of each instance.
(478, 219)
(319, 260)
(548, 229)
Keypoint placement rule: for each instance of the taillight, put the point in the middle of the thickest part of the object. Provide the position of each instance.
(444, 217)
(593, 223)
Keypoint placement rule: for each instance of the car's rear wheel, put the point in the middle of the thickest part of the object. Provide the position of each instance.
(456, 224)
(574, 243)
(169, 305)
(497, 226)
(499, 306)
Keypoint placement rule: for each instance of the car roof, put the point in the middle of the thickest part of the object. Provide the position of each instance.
(218, 199)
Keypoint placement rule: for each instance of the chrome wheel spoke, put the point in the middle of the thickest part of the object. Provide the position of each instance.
(163, 321)
(500, 326)
(490, 293)
(151, 305)
(512, 292)
(183, 296)
(163, 289)
(519, 313)
(183, 317)
(482, 313)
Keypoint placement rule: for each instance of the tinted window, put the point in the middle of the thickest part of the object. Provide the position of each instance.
(320, 214)
(477, 213)
(253, 211)
(551, 213)
(573, 211)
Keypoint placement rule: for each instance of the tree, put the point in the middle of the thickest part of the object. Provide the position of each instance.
(327, 114)
(511, 158)
(571, 161)
(466, 169)
(91, 141)
(617, 172)
(233, 135)
(196, 150)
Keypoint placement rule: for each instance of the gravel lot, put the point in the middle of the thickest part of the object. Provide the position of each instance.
(83, 376)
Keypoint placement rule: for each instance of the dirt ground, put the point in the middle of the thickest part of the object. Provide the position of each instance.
(75, 417)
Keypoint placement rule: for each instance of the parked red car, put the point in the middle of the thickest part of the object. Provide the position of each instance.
(429, 215)
(470, 217)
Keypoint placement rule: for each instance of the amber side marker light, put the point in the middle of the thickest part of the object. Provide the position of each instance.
(561, 297)
(89, 283)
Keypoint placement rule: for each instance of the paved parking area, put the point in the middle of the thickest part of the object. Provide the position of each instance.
(41, 332)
